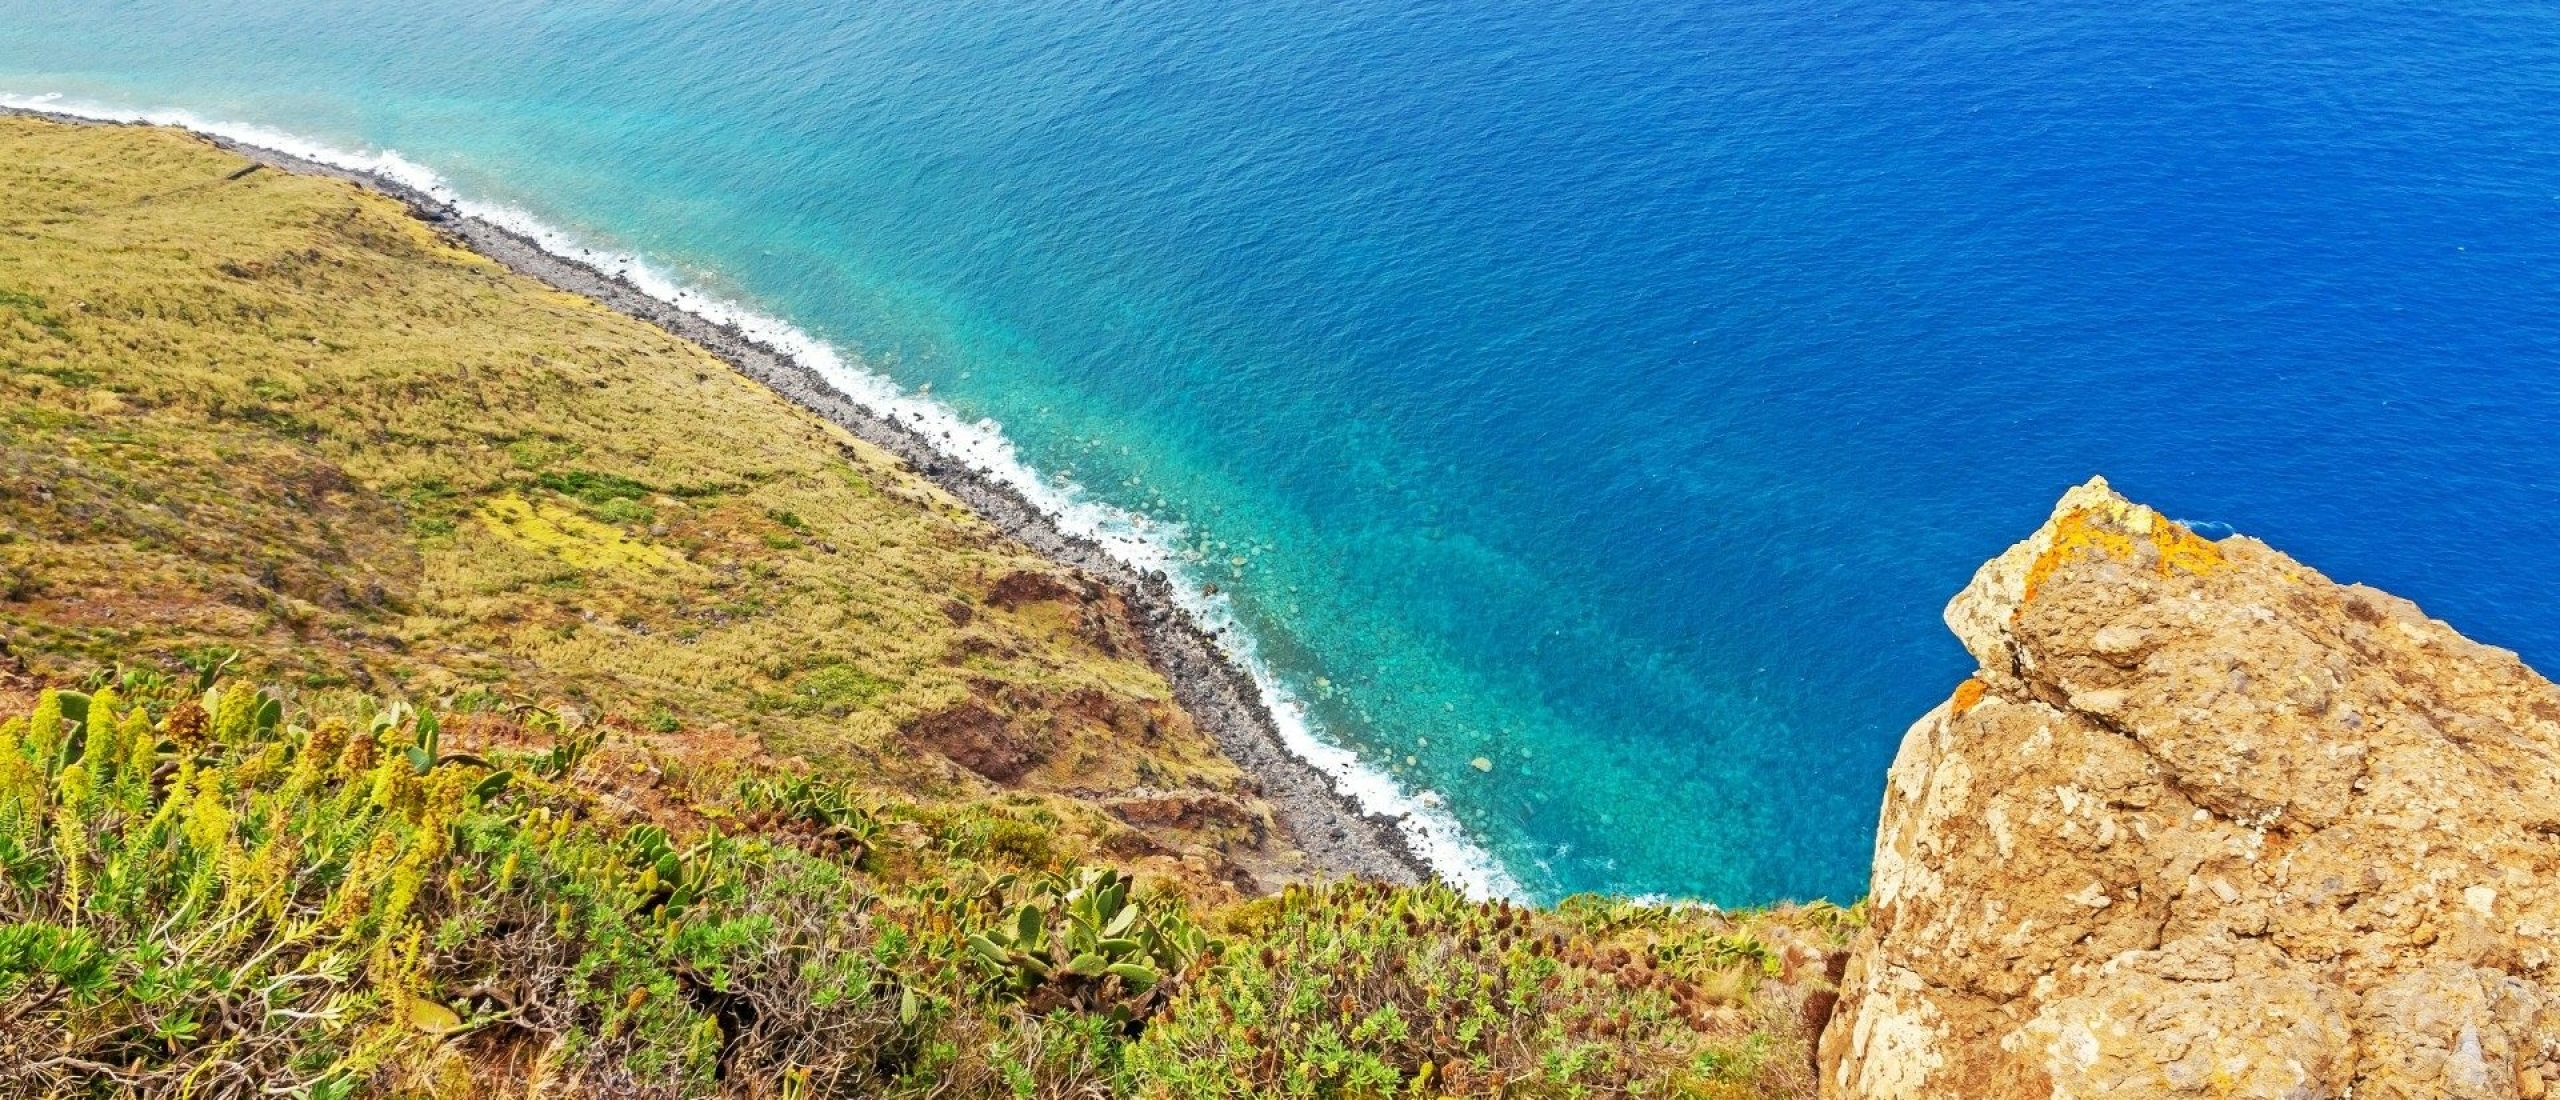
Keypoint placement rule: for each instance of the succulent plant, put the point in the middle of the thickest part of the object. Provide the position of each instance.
(818, 817)
(242, 713)
(1743, 948)
(667, 881)
(426, 736)
(570, 745)
(1082, 941)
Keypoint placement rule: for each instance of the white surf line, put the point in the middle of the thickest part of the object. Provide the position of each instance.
(1430, 830)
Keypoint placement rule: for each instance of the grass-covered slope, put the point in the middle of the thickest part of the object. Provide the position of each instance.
(243, 410)
(422, 683)
(219, 896)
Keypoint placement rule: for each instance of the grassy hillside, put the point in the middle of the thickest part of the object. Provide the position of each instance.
(275, 416)
(421, 683)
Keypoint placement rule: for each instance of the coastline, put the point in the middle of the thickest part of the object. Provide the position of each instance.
(1337, 833)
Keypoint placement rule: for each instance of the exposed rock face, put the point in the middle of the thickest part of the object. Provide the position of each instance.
(980, 740)
(2207, 824)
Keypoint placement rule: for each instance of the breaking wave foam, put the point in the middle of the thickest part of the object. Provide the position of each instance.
(1145, 545)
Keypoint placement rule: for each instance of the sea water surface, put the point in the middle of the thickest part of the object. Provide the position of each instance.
(1583, 407)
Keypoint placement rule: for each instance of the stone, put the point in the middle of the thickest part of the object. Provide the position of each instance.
(2205, 823)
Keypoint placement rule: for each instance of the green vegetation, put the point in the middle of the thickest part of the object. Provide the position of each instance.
(276, 415)
(1090, 946)
(744, 762)
(210, 895)
(1364, 990)
(201, 897)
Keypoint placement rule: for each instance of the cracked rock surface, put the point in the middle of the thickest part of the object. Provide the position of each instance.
(2208, 824)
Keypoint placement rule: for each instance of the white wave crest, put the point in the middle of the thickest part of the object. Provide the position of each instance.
(1144, 545)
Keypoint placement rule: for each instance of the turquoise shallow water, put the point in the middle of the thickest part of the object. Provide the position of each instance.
(1612, 391)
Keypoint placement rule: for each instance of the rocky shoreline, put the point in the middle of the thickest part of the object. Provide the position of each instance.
(1337, 837)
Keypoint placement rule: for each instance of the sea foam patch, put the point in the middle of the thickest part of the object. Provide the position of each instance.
(1142, 544)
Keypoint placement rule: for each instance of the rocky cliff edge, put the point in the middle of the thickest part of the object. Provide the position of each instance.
(2208, 824)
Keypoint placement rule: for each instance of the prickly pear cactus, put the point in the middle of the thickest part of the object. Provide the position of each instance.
(1082, 941)
(664, 882)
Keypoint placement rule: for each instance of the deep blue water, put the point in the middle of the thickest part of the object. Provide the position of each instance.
(1614, 390)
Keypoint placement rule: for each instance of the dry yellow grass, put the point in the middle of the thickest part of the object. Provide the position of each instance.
(276, 414)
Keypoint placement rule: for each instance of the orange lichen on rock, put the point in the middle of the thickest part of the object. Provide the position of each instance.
(1967, 694)
(2183, 550)
(2085, 530)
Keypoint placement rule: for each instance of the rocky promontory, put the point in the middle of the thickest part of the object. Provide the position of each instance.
(2208, 824)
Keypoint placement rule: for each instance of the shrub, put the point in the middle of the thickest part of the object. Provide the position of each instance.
(1362, 990)
(1082, 941)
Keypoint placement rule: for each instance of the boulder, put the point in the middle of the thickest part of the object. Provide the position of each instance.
(2208, 824)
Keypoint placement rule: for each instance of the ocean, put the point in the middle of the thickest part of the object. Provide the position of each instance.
(1582, 409)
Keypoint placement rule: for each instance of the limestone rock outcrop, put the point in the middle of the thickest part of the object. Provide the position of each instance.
(2208, 824)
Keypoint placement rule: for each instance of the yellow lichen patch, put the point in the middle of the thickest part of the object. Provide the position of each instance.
(2182, 550)
(573, 538)
(2118, 532)
(1967, 694)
